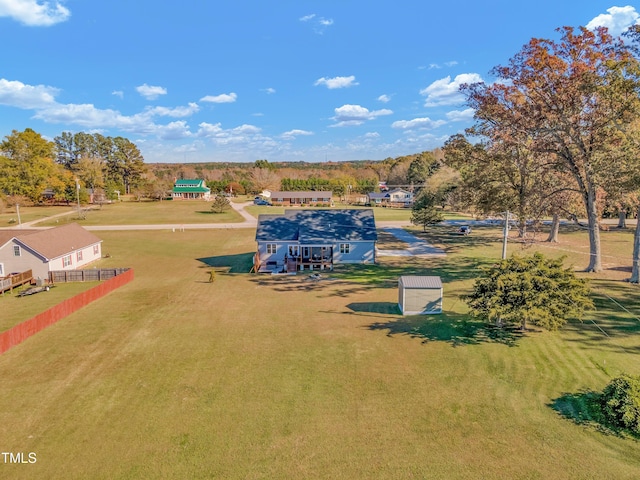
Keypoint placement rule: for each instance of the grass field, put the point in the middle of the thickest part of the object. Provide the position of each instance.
(18, 309)
(256, 377)
(381, 214)
(9, 217)
(140, 213)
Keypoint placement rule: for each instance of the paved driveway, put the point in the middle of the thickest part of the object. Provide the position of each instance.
(417, 246)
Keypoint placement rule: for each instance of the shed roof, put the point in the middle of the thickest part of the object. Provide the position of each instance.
(318, 226)
(57, 241)
(419, 281)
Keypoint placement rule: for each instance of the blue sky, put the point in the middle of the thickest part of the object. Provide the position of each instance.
(198, 80)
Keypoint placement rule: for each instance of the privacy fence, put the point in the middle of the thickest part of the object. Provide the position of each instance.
(24, 330)
(89, 275)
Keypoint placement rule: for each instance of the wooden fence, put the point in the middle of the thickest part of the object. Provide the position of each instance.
(24, 330)
(89, 275)
(13, 281)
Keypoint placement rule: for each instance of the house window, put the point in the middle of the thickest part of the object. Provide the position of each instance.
(96, 249)
(16, 251)
(79, 255)
(66, 261)
(1, 270)
(345, 248)
(271, 247)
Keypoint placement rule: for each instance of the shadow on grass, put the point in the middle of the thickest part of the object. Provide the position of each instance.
(582, 408)
(239, 263)
(388, 308)
(449, 327)
(615, 324)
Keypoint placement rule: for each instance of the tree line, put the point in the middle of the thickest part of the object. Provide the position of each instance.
(32, 167)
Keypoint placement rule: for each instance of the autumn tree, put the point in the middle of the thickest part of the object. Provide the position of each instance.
(573, 98)
(27, 167)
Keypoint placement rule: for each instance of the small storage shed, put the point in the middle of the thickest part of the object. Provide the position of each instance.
(419, 295)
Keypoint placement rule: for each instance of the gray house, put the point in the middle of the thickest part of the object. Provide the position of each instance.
(314, 239)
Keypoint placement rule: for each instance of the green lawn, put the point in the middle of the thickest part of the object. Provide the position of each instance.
(268, 377)
(138, 213)
(9, 217)
(17, 309)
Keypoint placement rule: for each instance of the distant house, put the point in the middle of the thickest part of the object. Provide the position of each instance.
(400, 196)
(314, 239)
(300, 198)
(392, 198)
(377, 198)
(60, 248)
(190, 190)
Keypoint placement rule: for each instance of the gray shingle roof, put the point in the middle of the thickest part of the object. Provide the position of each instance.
(305, 194)
(316, 226)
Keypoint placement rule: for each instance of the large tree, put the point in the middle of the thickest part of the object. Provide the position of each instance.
(534, 289)
(572, 98)
(424, 211)
(27, 167)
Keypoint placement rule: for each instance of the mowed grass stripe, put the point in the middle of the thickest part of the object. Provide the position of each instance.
(255, 377)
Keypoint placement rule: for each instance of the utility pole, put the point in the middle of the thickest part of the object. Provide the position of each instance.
(18, 212)
(78, 196)
(505, 235)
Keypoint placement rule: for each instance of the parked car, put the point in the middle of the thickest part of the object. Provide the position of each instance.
(464, 230)
(260, 201)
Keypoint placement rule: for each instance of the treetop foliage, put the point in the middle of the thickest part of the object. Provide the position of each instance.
(620, 403)
(532, 289)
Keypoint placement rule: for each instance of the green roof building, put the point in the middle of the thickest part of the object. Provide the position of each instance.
(190, 190)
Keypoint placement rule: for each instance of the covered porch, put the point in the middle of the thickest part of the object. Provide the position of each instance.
(309, 257)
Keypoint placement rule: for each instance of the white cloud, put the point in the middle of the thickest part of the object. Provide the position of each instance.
(460, 115)
(118, 93)
(617, 19)
(445, 91)
(292, 134)
(241, 135)
(384, 98)
(337, 82)
(350, 115)
(151, 92)
(222, 98)
(34, 13)
(17, 94)
(417, 124)
(173, 112)
(85, 115)
(269, 90)
(320, 24)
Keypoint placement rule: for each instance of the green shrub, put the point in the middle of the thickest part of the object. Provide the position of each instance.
(620, 403)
